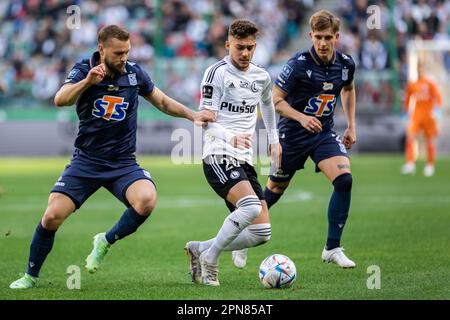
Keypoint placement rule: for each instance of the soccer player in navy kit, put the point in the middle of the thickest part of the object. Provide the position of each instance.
(105, 89)
(305, 95)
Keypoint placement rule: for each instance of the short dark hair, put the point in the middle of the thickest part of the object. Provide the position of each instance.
(324, 19)
(112, 31)
(241, 29)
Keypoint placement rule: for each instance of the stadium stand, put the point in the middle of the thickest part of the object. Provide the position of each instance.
(37, 49)
(176, 40)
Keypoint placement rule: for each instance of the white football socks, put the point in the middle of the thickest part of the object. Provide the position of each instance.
(247, 209)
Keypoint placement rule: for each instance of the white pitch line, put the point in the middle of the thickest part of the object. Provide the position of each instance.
(163, 202)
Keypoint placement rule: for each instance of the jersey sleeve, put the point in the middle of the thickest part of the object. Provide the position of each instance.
(211, 89)
(78, 73)
(289, 75)
(146, 84)
(350, 65)
(268, 112)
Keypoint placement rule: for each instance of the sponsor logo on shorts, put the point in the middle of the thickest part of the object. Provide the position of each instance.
(147, 174)
(280, 174)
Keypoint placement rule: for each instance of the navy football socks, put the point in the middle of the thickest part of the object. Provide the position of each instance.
(271, 197)
(127, 224)
(338, 209)
(41, 245)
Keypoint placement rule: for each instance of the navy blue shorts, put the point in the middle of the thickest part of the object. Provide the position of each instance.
(85, 175)
(294, 155)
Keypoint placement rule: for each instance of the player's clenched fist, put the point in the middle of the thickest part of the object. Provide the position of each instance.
(96, 74)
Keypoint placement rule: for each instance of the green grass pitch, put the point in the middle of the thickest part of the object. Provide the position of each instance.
(399, 223)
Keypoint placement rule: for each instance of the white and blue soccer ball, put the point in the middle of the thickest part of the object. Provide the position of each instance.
(277, 271)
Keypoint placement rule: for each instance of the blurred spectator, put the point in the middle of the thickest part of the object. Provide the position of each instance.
(373, 52)
(413, 19)
(37, 48)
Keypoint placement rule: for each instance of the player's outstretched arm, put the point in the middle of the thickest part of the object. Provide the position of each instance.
(173, 108)
(348, 98)
(70, 92)
(312, 124)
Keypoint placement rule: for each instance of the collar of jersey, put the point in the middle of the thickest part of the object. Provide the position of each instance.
(228, 60)
(318, 61)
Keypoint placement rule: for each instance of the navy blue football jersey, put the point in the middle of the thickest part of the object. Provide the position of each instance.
(108, 110)
(313, 88)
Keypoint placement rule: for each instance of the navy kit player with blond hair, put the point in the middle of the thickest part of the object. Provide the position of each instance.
(305, 95)
(105, 89)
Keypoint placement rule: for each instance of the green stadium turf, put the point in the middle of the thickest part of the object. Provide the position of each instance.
(399, 223)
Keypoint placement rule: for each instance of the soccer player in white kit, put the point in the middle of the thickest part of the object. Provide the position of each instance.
(232, 89)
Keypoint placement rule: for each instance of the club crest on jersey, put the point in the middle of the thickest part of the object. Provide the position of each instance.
(327, 86)
(132, 79)
(110, 108)
(344, 74)
(254, 87)
(322, 105)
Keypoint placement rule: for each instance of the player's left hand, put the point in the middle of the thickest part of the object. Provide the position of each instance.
(202, 118)
(275, 151)
(349, 138)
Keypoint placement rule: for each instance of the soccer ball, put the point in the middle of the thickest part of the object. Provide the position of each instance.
(277, 271)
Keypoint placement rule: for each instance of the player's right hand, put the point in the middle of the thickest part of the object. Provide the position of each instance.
(312, 124)
(96, 74)
(242, 141)
(202, 118)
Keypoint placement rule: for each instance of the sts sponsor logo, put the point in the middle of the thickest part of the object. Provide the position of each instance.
(110, 108)
(322, 105)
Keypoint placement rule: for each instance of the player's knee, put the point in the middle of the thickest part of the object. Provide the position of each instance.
(277, 187)
(58, 209)
(343, 183)
(250, 208)
(144, 204)
(52, 219)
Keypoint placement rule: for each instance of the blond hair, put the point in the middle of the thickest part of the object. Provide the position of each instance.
(324, 19)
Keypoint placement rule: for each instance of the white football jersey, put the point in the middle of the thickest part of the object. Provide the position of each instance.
(234, 96)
